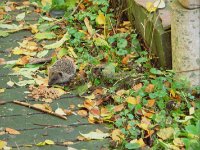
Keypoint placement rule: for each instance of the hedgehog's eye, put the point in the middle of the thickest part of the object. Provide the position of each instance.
(60, 74)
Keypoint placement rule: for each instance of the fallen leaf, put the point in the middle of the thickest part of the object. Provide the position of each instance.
(2, 144)
(88, 26)
(140, 142)
(119, 108)
(151, 102)
(25, 82)
(49, 142)
(82, 113)
(132, 100)
(149, 88)
(10, 83)
(46, 2)
(68, 143)
(20, 17)
(117, 135)
(2, 90)
(45, 35)
(137, 87)
(191, 110)
(98, 135)
(58, 43)
(12, 131)
(60, 111)
(178, 142)
(165, 133)
(90, 97)
(23, 60)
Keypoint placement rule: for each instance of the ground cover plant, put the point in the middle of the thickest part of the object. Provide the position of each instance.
(144, 106)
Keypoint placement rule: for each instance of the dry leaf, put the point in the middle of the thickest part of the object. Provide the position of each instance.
(137, 87)
(117, 135)
(2, 61)
(149, 88)
(151, 102)
(165, 133)
(60, 111)
(88, 26)
(82, 113)
(12, 131)
(133, 100)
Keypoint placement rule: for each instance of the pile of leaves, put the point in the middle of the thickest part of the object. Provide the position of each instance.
(145, 106)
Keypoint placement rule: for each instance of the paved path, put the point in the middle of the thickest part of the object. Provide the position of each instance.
(30, 122)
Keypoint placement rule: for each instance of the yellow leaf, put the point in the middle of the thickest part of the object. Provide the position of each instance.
(2, 144)
(132, 100)
(117, 135)
(71, 52)
(178, 142)
(150, 7)
(46, 2)
(2, 90)
(143, 126)
(140, 142)
(165, 133)
(49, 142)
(172, 93)
(101, 19)
(41, 144)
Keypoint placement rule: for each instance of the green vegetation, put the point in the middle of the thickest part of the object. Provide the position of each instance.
(145, 106)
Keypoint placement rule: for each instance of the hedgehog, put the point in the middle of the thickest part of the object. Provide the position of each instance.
(62, 71)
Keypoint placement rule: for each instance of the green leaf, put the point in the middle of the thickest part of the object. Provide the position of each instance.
(122, 43)
(132, 146)
(101, 42)
(155, 71)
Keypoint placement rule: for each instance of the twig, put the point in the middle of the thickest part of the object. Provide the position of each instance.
(76, 8)
(40, 109)
(39, 60)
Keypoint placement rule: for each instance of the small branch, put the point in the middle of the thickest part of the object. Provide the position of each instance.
(39, 60)
(39, 109)
(76, 8)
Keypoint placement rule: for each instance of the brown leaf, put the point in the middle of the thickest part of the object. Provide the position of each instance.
(137, 87)
(150, 102)
(82, 113)
(88, 26)
(12, 131)
(149, 88)
(89, 104)
(2, 61)
(119, 108)
(117, 135)
(125, 60)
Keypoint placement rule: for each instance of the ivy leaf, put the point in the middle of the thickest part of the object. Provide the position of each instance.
(155, 71)
(122, 43)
